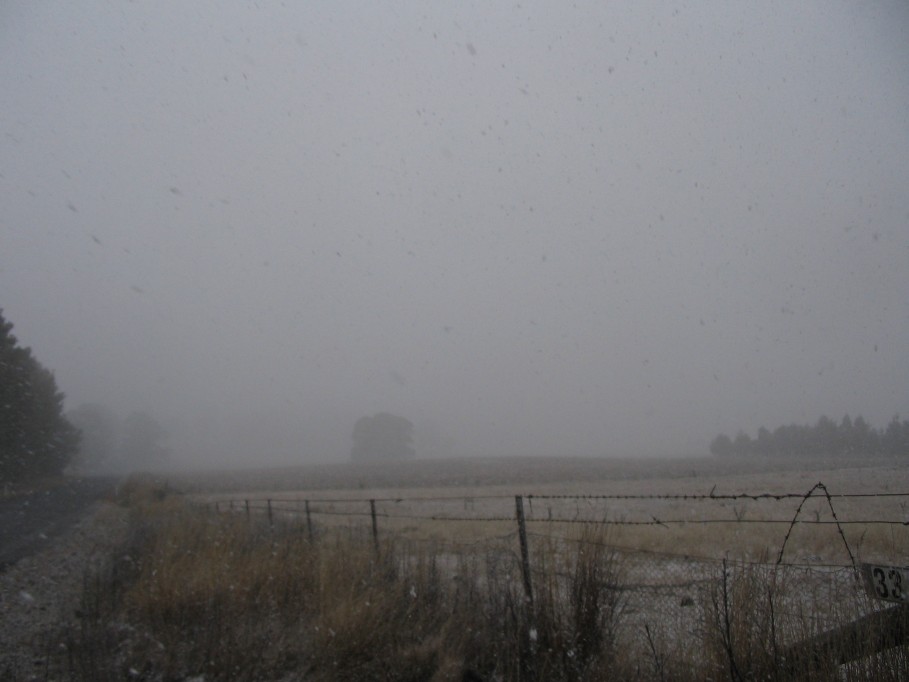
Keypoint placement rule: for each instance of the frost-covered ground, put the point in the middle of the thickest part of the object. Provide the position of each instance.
(29, 517)
(574, 474)
(409, 493)
(40, 594)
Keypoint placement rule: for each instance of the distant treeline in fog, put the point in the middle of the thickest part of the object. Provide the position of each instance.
(826, 437)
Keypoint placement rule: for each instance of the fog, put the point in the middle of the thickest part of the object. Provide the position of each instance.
(531, 229)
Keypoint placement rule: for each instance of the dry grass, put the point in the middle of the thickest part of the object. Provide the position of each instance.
(212, 594)
(769, 624)
(230, 597)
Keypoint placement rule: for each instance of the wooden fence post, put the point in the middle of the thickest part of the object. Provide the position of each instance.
(525, 554)
(375, 526)
(529, 635)
(270, 519)
(247, 509)
(866, 636)
(308, 521)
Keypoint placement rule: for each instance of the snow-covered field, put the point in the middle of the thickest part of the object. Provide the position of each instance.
(414, 497)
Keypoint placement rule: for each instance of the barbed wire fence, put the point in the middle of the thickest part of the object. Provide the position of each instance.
(696, 541)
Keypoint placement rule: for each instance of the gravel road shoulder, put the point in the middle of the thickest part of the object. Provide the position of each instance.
(40, 593)
(27, 520)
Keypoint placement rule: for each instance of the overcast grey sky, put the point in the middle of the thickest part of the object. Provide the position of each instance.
(531, 228)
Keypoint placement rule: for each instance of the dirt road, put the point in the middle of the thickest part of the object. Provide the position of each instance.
(28, 521)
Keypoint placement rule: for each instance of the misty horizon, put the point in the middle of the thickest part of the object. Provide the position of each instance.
(529, 230)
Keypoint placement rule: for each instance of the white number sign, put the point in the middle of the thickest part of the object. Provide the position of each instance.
(887, 582)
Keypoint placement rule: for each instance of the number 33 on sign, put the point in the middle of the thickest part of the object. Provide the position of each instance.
(887, 582)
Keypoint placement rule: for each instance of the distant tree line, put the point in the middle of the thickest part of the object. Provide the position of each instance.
(826, 437)
(113, 445)
(36, 439)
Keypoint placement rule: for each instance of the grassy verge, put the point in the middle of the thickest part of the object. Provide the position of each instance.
(196, 594)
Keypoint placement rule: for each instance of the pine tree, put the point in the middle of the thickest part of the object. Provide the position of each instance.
(35, 438)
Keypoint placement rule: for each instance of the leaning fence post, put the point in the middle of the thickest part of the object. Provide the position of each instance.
(308, 520)
(375, 527)
(525, 555)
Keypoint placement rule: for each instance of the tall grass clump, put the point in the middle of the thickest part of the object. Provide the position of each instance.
(578, 609)
(227, 597)
(773, 623)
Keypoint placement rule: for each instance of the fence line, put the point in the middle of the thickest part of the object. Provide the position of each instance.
(678, 587)
(313, 507)
(602, 522)
(398, 499)
(709, 496)
(821, 487)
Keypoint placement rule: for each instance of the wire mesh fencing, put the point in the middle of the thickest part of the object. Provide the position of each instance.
(770, 570)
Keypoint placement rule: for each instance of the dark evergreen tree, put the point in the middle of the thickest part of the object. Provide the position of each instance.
(763, 445)
(742, 445)
(35, 438)
(895, 439)
(865, 440)
(784, 439)
(826, 438)
(846, 436)
(721, 445)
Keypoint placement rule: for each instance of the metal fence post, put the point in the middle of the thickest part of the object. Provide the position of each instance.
(375, 527)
